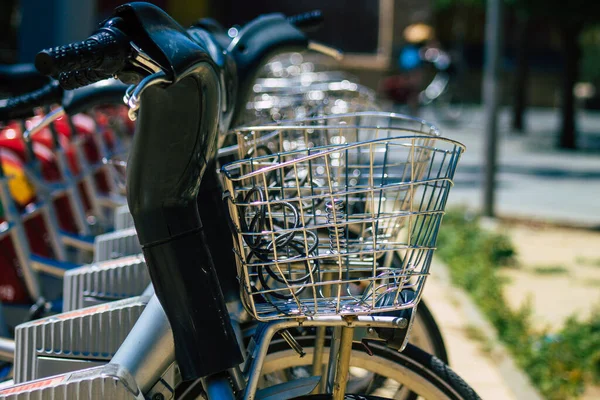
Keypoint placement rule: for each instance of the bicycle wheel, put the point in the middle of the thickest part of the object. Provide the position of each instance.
(425, 333)
(386, 374)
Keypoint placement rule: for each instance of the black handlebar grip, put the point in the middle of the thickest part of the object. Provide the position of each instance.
(307, 20)
(23, 106)
(104, 51)
(76, 79)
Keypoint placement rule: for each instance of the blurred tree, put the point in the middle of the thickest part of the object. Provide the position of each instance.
(522, 67)
(590, 43)
(570, 18)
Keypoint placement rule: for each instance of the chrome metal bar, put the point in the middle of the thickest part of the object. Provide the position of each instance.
(149, 349)
(318, 369)
(111, 200)
(20, 242)
(262, 347)
(51, 270)
(104, 153)
(343, 363)
(334, 349)
(149, 291)
(73, 194)
(86, 174)
(324, 49)
(80, 244)
(53, 227)
(47, 120)
(7, 350)
(237, 378)
(318, 357)
(289, 338)
(45, 201)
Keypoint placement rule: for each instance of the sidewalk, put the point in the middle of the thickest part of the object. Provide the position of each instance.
(535, 181)
(482, 362)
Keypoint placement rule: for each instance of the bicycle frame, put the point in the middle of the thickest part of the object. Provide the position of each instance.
(149, 350)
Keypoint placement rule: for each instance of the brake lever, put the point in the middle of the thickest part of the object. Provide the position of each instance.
(326, 50)
(133, 93)
(142, 60)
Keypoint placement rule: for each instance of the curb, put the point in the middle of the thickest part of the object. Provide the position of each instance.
(516, 380)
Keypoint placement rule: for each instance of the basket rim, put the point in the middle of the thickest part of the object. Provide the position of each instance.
(327, 149)
(295, 123)
(319, 87)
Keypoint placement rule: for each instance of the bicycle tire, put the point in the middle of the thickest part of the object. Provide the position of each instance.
(419, 373)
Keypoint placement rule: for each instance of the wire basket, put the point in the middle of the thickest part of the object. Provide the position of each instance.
(293, 102)
(321, 130)
(315, 229)
(298, 68)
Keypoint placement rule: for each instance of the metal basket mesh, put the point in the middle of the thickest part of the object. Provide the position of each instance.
(315, 228)
(292, 102)
(321, 130)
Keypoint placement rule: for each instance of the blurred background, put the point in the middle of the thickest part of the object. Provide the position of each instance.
(518, 82)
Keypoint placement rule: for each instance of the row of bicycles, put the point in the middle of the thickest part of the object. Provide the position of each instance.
(248, 225)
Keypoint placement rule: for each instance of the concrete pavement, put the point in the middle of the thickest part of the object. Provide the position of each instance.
(535, 180)
(474, 351)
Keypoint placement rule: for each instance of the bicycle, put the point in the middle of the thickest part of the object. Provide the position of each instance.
(131, 376)
(38, 224)
(441, 93)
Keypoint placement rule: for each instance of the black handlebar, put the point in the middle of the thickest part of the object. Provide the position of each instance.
(307, 20)
(104, 51)
(23, 106)
(20, 78)
(72, 101)
(75, 79)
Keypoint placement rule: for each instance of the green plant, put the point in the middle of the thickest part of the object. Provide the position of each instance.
(593, 262)
(550, 270)
(559, 365)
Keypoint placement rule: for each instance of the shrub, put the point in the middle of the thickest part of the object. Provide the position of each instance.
(559, 365)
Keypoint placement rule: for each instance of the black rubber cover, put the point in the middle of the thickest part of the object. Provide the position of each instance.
(20, 78)
(22, 106)
(161, 37)
(175, 140)
(214, 218)
(102, 93)
(227, 69)
(216, 30)
(255, 44)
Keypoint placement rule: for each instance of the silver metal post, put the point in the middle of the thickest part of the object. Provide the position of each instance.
(334, 349)
(7, 350)
(490, 95)
(51, 222)
(19, 238)
(149, 349)
(318, 357)
(87, 178)
(73, 194)
(342, 364)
